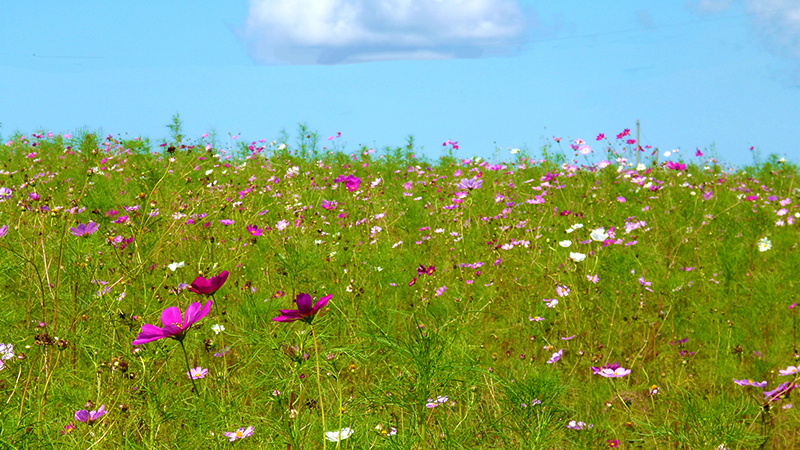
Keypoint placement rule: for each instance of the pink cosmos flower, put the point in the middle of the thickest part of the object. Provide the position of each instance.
(573, 425)
(239, 434)
(611, 371)
(202, 286)
(556, 356)
(779, 392)
(791, 370)
(305, 310)
(469, 183)
(600, 137)
(84, 229)
(4, 231)
(90, 416)
(174, 326)
(197, 373)
(749, 382)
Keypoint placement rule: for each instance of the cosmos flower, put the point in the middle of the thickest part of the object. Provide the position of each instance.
(83, 229)
(469, 183)
(791, 370)
(611, 371)
(764, 244)
(329, 205)
(577, 257)
(305, 310)
(599, 234)
(254, 230)
(90, 416)
(422, 270)
(174, 326)
(573, 425)
(556, 356)
(203, 286)
(197, 373)
(749, 382)
(781, 391)
(241, 433)
(351, 182)
(340, 435)
(675, 166)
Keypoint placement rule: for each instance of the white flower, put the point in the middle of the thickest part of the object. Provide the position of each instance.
(599, 234)
(577, 257)
(376, 182)
(379, 268)
(175, 266)
(217, 328)
(6, 351)
(764, 244)
(336, 436)
(640, 167)
(209, 171)
(565, 243)
(514, 151)
(293, 171)
(282, 146)
(667, 154)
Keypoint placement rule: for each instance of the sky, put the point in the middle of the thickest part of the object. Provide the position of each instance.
(489, 74)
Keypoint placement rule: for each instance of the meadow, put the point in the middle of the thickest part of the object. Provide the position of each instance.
(289, 294)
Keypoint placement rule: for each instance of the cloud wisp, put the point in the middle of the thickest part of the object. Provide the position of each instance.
(777, 22)
(356, 31)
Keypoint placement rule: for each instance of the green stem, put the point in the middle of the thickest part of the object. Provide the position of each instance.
(189, 369)
(319, 386)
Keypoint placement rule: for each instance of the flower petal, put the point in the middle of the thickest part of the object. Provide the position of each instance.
(171, 316)
(149, 333)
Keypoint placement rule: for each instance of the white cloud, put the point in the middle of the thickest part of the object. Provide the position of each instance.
(776, 21)
(351, 31)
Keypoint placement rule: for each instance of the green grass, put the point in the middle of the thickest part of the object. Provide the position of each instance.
(387, 348)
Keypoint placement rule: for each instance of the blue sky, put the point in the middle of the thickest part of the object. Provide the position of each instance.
(485, 73)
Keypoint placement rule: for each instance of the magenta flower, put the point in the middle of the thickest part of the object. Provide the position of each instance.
(305, 311)
(175, 326)
(84, 229)
(90, 416)
(749, 382)
(422, 270)
(329, 205)
(202, 286)
(791, 370)
(254, 230)
(351, 182)
(675, 166)
(4, 230)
